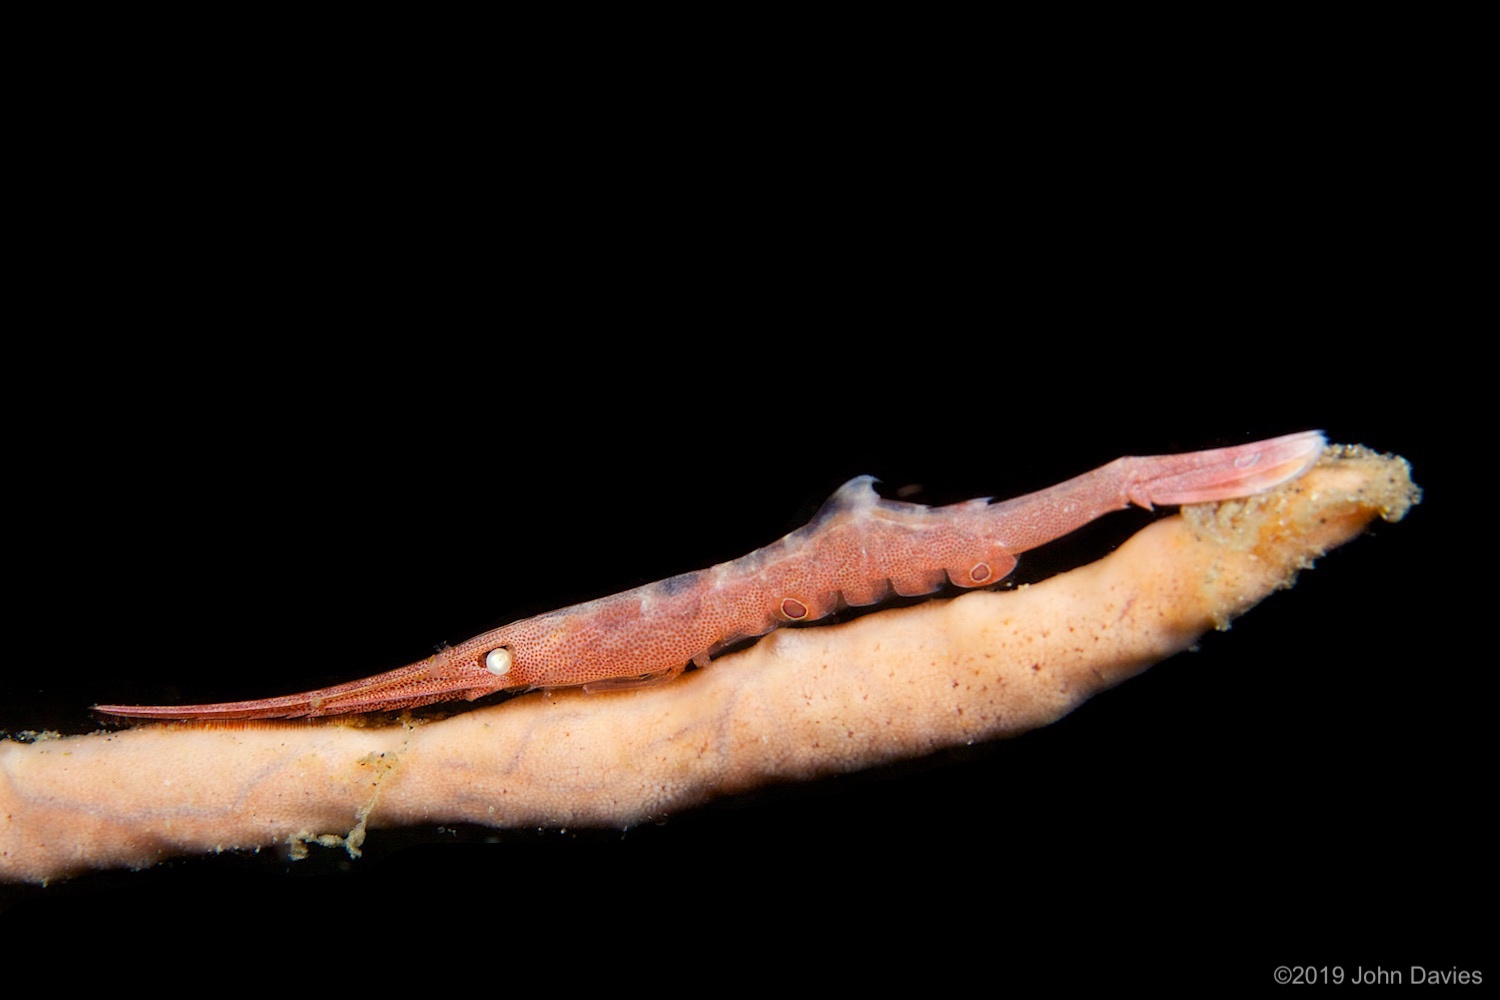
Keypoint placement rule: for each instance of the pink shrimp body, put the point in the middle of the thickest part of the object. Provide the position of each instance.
(855, 551)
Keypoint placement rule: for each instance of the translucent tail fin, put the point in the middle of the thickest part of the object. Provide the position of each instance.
(1223, 473)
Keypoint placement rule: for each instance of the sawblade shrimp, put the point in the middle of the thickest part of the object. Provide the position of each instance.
(857, 550)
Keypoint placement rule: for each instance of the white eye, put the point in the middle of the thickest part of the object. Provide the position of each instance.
(498, 660)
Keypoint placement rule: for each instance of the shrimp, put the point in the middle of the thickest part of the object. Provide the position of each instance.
(857, 550)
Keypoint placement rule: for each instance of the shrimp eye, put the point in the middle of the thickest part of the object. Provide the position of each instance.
(793, 608)
(980, 572)
(498, 660)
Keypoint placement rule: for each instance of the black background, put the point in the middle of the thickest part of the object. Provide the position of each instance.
(314, 402)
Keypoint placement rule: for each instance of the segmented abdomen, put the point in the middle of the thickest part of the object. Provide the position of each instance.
(854, 552)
